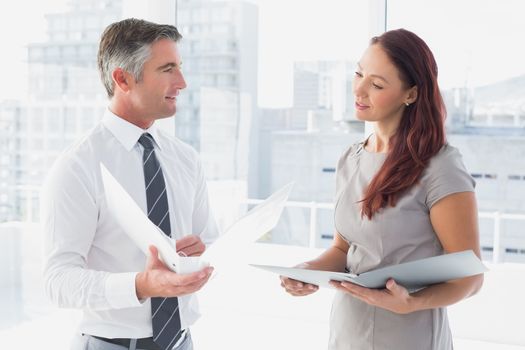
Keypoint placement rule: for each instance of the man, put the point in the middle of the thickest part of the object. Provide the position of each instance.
(90, 261)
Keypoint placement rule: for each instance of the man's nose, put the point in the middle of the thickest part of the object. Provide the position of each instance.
(180, 81)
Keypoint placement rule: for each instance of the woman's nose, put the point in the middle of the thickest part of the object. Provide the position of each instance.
(358, 88)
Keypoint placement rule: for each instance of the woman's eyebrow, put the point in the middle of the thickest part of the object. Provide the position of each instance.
(374, 75)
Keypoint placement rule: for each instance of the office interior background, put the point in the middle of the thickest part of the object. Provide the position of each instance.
(268, 101)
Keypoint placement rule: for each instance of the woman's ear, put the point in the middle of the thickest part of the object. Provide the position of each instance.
(412, 95)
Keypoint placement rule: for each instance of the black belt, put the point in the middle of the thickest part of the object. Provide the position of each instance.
(142, 343)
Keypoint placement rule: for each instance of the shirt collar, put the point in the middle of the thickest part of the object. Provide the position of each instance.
(127, 133)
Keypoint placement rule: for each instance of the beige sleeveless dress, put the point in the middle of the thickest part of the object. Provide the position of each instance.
(394, 235)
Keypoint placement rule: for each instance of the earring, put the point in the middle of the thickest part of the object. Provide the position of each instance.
(407, 104)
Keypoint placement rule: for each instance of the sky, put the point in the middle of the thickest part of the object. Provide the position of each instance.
(474, 41)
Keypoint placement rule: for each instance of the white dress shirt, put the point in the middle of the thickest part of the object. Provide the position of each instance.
(91, 263)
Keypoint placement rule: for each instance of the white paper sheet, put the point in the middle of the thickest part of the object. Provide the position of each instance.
(412, 275)
(259, 220)
(144, 233)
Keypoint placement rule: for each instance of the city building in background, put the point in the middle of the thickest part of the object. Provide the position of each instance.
(218, 109)
(65, 100)
(10, 163)
(303, 144)
(311, 134)
(487, 124)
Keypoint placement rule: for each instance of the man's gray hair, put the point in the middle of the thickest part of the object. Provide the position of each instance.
(127, 45)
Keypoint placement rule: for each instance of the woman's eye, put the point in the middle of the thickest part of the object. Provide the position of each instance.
(358, 74)
(377, 86)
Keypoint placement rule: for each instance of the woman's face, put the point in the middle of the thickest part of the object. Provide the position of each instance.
(379, 93)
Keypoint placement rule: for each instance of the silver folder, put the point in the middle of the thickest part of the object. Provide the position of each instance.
(413, 275)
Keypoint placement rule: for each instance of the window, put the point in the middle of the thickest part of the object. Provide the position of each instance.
(268, 101)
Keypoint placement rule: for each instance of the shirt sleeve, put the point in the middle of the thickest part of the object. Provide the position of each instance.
(69, 215)
(446, 175)
(203, 221)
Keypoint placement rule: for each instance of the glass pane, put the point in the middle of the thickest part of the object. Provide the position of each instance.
(260, 92)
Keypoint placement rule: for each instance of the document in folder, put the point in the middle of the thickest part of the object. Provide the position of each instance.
(143, 232)
(412, 275)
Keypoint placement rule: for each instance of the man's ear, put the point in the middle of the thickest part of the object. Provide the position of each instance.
(122, 79)
(412, 95)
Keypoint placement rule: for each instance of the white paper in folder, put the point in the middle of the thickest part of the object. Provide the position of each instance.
(143, 232)
(261, 219)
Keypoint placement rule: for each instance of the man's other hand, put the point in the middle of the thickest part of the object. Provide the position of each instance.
(190, 245)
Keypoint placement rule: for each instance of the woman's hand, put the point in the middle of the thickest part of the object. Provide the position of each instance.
(394, 297)
(297, 288)
(333, 259)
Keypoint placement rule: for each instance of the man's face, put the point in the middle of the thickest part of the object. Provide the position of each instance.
(155, 96)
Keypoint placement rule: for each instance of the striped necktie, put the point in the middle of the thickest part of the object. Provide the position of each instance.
(165, 315)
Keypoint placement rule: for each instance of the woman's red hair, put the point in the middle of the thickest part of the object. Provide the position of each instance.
(421, 132)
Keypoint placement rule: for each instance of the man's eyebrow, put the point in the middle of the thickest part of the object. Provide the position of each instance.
(374, 75)
(168, 65)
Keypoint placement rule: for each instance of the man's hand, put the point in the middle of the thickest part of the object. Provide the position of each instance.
(157, 280)
(190, 245)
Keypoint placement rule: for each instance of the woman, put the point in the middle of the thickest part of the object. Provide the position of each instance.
(403, 194)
